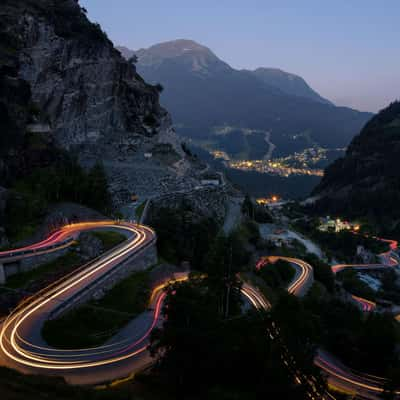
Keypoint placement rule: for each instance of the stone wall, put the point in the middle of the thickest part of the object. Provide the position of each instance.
(29, 263)
(208, 201)
(140, 261)
(2, 275)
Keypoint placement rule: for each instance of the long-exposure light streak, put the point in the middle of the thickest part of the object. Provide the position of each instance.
(18, 348)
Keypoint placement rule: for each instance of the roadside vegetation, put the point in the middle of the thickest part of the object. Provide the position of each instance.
(390, 289)
(278, 274)
(207, 322)
(234, 358)
(183, 236)
(97, 321)
(64, 181)
(365, 342)
(354, 285)
(340, 245)
(322, 271)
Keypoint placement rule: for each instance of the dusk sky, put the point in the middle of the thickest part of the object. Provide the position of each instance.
(347, 50)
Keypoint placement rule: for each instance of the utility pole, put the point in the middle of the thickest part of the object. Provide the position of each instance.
(228, 292)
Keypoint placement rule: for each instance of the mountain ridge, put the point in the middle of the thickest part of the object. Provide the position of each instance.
(366, 181)
(154, 55)
(204, 95)
(289, 83)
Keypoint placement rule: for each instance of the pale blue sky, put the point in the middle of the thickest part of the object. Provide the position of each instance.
(348, 50)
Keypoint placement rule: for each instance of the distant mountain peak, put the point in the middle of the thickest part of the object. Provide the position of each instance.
(276, 71)
(195, 56)
(200, 59)
(175, 48)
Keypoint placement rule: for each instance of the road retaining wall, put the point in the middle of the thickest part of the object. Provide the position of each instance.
(206, 201)
(33, 261)
(140, 261)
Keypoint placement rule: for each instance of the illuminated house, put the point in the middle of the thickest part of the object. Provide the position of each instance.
(336, 225)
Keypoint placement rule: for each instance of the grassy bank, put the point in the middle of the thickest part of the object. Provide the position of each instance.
(95, 322)
(64, 262)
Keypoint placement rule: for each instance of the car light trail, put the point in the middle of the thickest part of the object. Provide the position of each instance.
(340, 375)
(390, 261)
(22, 352)
(366, 305)
(47, 358)
(300, 283)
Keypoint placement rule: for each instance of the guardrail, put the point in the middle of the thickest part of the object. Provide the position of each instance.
(38, 250)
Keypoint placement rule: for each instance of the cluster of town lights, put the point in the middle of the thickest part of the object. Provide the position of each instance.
(273, 168)
(263, 201)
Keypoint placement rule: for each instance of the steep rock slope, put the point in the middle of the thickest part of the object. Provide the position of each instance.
(14, 115)
(366, 181)
(90, 101)
(210, 101)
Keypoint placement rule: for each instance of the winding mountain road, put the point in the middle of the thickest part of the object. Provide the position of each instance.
(340, 376)
(22, 347)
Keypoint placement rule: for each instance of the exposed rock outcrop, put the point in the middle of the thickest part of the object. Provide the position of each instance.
(90, 99)
(90, 246)
(208, 202)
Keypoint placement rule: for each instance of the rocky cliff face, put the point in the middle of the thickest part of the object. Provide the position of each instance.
(91, 100)
(366, 182)
(20, 151)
